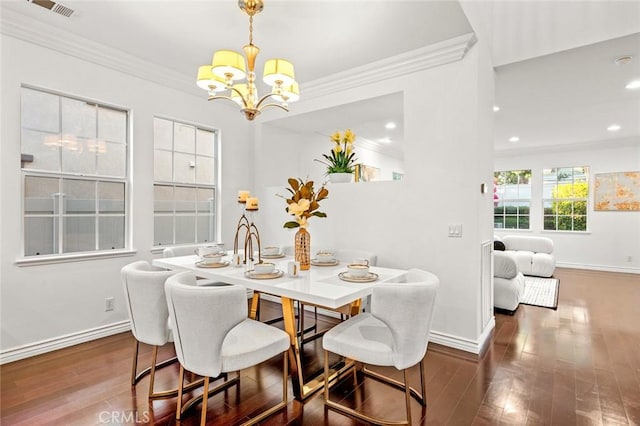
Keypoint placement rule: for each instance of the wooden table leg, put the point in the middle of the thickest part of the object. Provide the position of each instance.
(255, 303)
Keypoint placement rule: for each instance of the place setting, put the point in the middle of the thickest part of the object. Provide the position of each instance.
(264, 271)
(272, 252)
(324, 258)
(358, 273)
(211, 257)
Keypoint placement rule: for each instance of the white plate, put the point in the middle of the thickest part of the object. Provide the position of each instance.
(273, 256)
(252, 274)
(201, 264)
(370, 277)
(316, 262)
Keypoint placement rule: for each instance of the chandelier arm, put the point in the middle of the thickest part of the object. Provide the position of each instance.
(226, 97)
(274, 105)
(264, 98)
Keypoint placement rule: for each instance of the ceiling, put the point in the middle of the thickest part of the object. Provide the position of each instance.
(553, 84)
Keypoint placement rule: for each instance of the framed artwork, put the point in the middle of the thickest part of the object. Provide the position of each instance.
(368, 173)
(618, 191)
(397, 176)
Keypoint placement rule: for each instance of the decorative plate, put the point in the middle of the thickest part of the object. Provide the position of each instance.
(370, 277)
(252, 274)
(273, 256)
(212, 265)
(316, 262)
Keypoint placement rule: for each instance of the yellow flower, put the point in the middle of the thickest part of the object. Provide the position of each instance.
(298, 208)
(302, 221)
(336, 137)
(349, 149)
(337, 148)
(349, 136)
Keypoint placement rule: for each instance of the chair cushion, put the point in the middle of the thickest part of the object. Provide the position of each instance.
(250, 343)
(364, 338)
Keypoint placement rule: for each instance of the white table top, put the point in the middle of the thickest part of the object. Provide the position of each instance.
(320, 285)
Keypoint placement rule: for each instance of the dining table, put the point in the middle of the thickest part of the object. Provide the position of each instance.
(323, 285)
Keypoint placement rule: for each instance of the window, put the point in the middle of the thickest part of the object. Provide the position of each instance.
(565, 192)
(511, 199)
(75, 186)
(185, 174)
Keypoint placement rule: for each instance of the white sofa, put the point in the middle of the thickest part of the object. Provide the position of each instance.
(534, 255)
(508, 281)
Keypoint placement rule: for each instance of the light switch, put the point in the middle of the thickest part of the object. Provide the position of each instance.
(455, 230)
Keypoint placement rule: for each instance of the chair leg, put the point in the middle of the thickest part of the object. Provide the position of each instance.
(407, 394)
(423, 385)
(205, 398)
(134, 368)
(180, 388)
(152, 374)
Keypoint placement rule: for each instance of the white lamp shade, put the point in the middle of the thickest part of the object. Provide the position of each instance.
(207, 81)
(291, 92)
(278, 70)
(228, 63)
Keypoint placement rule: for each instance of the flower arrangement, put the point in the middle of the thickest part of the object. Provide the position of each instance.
(304, 202)
(342, 155)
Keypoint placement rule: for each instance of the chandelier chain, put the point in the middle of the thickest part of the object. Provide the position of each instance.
(250, 29)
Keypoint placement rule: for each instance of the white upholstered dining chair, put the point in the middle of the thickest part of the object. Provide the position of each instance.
(213, 336)
(395, 333)
(144, 295)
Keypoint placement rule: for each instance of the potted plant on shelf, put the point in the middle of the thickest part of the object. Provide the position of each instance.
(340, 163)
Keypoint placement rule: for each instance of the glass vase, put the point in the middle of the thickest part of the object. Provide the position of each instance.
(303, 248)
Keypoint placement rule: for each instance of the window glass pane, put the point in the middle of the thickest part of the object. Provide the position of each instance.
(111, 232)
(45, 149)
(40, 111)
(565, 223)
(184, 138)
(549, 222)
(163, 199)
(41, 195)
(205, 168)
(79, 196)
(163, 230)
(549, 208)
(111, 197)
(76, 156)
(498, 222)
(79, 234)
(162, 134)
(580, 207)
(580, 223)
(511, 222)
(185, 199)
(112, 159)
(523, 222)
(112, 125)
(206, 198)
(40, 236)
(78, 118)
(205, 229)
(185, 229)
(184, 172)
(163, 166)
(205, 142)
(565, 174)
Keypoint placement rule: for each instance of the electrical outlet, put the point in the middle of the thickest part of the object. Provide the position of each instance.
(109, 304)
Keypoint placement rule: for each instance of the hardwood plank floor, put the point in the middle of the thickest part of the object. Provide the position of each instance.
(579, 364)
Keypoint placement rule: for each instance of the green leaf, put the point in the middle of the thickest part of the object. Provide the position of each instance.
(319, 214)
(290, 225)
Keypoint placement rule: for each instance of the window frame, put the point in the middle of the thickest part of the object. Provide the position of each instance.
(572, 200)
(518, 200)
(61, 176)
(214, 210)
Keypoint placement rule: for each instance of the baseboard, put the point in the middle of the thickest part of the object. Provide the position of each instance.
(477, 347)
(37, 348)
(605, 268)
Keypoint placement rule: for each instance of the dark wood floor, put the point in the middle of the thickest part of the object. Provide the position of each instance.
(579, 364)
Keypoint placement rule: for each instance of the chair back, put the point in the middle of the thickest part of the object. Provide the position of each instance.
(146, 303)
(180, 250)
(349, 255)
(407, 309)
(201, 318)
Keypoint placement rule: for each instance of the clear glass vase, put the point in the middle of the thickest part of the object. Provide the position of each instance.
(303, 248)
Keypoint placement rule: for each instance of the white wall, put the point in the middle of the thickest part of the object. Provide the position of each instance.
(448, 154)
(46, 302)
(612, 236)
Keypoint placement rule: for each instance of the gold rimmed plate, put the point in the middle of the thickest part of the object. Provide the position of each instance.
(201, 264)
(316, 262)
(273, 256)
(370, 277)
(253, 274)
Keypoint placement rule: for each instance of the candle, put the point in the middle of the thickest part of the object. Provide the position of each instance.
(252, 203)
(242, 196)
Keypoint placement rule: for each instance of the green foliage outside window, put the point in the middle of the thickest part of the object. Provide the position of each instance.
(566, 209)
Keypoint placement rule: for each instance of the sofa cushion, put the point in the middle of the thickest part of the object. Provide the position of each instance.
(504, 265)
(528, 243)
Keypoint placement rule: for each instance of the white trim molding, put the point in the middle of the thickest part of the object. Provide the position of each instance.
(604, 268)
(474, 346)
(49, 345)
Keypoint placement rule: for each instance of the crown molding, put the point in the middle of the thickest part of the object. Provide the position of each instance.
(33, 31)
(430, 56)
(36, 32)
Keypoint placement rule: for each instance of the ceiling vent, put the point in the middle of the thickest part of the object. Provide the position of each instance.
(54, 7)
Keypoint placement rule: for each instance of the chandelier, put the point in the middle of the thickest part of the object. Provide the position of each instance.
(228, 69)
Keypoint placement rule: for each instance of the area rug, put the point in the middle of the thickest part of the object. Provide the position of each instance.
(541, 292)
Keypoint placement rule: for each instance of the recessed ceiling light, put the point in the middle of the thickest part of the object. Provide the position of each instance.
(514, 139)
(390, 125)
(623, 60)
(614, 128)
(635, 84)
(496, 108)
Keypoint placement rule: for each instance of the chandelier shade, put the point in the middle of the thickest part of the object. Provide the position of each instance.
(223, 78)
